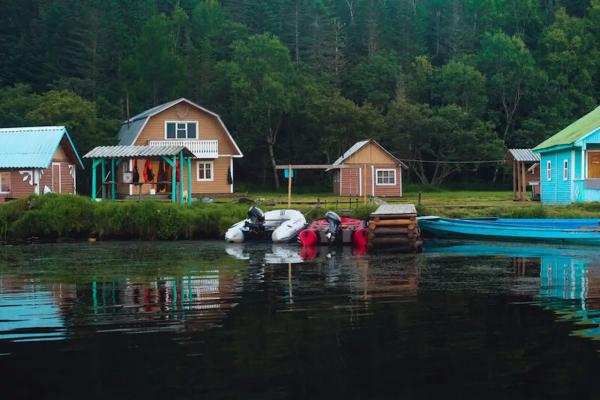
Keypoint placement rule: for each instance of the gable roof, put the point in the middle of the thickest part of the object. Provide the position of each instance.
(572, 133)
(34, 147)
(359, 145)
(130, 129)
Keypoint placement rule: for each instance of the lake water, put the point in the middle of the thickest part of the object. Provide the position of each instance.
(208, 320)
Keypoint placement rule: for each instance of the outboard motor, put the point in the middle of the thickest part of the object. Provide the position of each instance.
(335, 226)
(257, 219)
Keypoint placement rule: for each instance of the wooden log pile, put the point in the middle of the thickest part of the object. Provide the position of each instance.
(395, 227)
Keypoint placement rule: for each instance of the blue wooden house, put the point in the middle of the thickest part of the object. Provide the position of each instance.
(570, 162)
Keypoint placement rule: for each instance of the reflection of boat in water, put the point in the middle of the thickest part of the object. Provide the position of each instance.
(574, 231)
(278, 254)
(280, 226)
(569, 275)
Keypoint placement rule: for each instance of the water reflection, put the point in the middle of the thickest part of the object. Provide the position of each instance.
(569, 277)
(41, 299)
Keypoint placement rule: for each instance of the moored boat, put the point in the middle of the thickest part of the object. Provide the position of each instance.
(576, 231)
(334, 229)
(279, 226)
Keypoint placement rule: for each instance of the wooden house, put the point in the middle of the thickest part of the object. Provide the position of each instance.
(570, 162)
(179, 123)
(37, 160)
(368, 168)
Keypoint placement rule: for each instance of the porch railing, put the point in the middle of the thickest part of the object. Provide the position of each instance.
(200, 148)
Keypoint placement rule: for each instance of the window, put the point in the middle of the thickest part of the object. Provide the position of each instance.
(549, 170)
(566, 170)
(204, 170)
(181, 130)
(4, 182)
(386, 176)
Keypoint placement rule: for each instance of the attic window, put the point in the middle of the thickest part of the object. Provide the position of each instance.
(181, 129)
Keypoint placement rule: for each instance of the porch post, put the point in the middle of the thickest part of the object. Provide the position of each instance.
(523, 172)
(173, 181)
(181, 166)
(103, 178)
(582, 162)
(514, 179)
(94, 166)
(113, 187)
(189, 182)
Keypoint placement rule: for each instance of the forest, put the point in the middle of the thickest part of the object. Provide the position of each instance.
(434, 81)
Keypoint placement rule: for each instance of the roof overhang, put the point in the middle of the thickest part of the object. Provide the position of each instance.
(133, 151)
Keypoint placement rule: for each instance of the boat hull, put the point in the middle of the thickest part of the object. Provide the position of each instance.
(585, 232)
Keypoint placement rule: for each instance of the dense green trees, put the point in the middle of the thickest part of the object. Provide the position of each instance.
(300, 80)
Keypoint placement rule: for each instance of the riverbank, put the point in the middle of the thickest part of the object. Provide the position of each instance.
(55, 217)
(66, 217)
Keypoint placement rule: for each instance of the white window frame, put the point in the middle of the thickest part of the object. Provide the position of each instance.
(212, 171)
(549, 170)
(385, 170)
(186, 128)
(565, 170)
(5, 173)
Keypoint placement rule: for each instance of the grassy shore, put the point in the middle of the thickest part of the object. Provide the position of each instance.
(56, 217)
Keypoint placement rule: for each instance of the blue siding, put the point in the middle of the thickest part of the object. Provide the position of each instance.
(557, 190)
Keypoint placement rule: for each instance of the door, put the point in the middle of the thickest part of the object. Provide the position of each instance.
(593, 164)
(56, 178)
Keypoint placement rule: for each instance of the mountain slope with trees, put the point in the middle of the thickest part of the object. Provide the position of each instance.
(301, 80)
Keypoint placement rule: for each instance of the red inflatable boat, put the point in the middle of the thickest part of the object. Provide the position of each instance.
(334, 229)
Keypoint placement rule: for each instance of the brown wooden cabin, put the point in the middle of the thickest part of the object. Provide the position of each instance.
(181, 123)
(526, 173)
(367, 167)
(37, 160)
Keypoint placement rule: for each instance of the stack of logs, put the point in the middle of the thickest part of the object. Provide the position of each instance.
(395, 227)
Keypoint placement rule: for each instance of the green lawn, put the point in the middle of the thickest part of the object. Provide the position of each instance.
(448, 203)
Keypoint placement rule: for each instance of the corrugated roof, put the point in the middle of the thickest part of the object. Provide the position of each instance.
(131, 128)
(577, 130)
(136, 151)
(359, 145)
(524, 155)
(32, 147)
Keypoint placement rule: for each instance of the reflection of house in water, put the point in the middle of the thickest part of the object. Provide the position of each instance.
(191, 302)
(569, 276)
(37, 311)
(29, 312)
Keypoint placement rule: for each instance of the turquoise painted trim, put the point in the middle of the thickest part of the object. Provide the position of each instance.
(103, 179)
(95, 163)
(173, 181)
(181, 177)
(554, 148)
(169, 161)
(584, 139)
(113, 183)
(189, 174)
(73, 147)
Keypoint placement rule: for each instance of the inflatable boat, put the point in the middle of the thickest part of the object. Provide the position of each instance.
(334, 229)
(279, 226)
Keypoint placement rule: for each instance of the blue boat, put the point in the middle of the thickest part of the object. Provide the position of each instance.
(574, 231)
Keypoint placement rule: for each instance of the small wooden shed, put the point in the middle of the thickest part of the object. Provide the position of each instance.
(37, 160)
(526, 172)
(368, 168)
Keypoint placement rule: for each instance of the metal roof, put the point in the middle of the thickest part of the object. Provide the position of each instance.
(131, 128)
(32, 147)
(574, 132)
(359, 145)
(524, 155)
(137, 151)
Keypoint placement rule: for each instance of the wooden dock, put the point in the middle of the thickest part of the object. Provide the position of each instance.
(395, 226)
